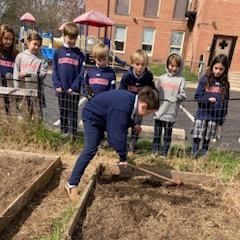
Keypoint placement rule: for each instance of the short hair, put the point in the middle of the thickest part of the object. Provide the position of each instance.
(100, 51)
(138, 56)
(174, 57)
(70, 29)
(149, 96)
(34, 36)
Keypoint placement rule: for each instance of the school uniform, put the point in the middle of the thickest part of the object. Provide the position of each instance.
(111, 111)
(68, 73)
(209, 115)
(133, 83)
(172, 89)
(100, 79)
(6, 71)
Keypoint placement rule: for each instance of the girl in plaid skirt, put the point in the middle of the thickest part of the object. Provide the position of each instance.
(212, 95)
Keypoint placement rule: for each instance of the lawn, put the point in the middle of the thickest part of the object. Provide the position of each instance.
(159, 69)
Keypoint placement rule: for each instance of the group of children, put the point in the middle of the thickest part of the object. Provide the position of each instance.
(113, 110)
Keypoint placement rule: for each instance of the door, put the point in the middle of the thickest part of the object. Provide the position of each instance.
(222, 45)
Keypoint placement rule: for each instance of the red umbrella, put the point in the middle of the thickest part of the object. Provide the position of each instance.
(94, 18)
(28, 17)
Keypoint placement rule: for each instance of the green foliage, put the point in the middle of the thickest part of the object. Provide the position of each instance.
(159, 69)
(225, 164)
(59, 225)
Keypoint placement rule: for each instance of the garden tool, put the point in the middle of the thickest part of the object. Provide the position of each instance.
(177, 181)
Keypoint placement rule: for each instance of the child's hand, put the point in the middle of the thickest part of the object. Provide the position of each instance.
(59, 89)
(21, 75)
(70, 90)
(212, 99)
(123, 164)
(137, 128)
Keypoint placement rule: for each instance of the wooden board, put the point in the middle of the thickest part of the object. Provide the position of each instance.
(22, 200)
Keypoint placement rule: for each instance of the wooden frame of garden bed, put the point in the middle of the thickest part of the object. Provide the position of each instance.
(186, 177)
(21, 201)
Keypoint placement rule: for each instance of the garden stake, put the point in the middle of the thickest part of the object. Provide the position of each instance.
(177, 181)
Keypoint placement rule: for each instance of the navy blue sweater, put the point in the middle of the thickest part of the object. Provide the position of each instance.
(207, 110)
(112, 111)
(6, 63)
(133, 84)
(100, 79)
(68, 68)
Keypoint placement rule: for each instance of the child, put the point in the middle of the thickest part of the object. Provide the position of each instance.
(112, 111)
(212, 95)
(67, 76)
(7, 58)
(100, 78)
(171, 88)
(134, 80)
(31, 69)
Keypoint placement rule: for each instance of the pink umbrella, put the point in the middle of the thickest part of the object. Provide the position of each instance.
(94, 18)
(28, 17)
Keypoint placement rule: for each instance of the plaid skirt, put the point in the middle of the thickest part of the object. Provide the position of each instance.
(204, 129)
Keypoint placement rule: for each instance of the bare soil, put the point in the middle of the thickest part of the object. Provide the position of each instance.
(16, 175)
(141, 208)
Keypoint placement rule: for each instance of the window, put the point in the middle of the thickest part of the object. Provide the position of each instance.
(122, 7)
(180, 9)
(148, 39)
(120, 38)
(151, 8)
(176, 43)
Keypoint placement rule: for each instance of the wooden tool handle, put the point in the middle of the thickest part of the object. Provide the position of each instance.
(152, 173)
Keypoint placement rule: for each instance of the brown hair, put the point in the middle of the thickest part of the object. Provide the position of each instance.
(34, 36)
(174, 57)
(5, 29)
(100, 51)
(223, 59)
(150, 97)
(70, 29)
(138, 56)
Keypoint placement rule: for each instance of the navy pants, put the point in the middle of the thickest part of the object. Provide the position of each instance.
(167, 138)
(93, 135)
(68, 107)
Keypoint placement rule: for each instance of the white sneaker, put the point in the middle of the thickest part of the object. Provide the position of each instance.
(57, 123)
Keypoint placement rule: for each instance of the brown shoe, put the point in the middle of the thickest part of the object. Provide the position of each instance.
(72, 192)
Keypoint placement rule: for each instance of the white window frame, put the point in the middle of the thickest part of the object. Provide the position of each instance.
(153, 40)
(129, 9)
(176, 46)
(159, 6)
(125, 39)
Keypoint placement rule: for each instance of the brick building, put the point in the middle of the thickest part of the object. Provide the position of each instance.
(195, 28)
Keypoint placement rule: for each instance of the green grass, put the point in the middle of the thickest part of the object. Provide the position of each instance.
(222, 163)
(159, 69)
(59, 224)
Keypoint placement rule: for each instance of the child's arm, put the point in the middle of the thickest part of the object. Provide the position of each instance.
(16, 71)
(76, 85)
(117, 130)
(55, 76)
(182, 93)
(43, 69)
(124, 82)
(200, 93)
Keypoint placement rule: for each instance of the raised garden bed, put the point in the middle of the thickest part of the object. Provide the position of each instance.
(133, 206)
(21, 175)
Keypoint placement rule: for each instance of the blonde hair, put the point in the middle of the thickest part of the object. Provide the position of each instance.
(100, 51)
(139, 56)
(70, 29)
